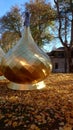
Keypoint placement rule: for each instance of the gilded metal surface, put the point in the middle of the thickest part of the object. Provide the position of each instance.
(15, 86)
(26, 63)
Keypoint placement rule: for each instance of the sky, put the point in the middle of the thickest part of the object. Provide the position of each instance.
(5, 5)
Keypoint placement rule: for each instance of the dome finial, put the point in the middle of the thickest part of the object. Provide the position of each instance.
(27, 18)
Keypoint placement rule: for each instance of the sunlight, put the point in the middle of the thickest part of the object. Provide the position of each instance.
(41, 85)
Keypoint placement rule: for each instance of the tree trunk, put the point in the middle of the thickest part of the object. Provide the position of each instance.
(65, 55)
(69, 59)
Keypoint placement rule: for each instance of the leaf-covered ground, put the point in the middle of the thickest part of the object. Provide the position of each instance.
(50, 109)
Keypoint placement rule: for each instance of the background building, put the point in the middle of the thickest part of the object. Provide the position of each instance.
(59, 61)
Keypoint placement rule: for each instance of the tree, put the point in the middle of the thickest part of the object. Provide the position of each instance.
(10, 25)
(8, 40)
(42, 16)
(65, 28)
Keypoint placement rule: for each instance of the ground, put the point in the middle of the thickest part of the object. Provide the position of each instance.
(47, 109)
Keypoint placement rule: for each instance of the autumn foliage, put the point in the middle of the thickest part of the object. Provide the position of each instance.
(47, 109)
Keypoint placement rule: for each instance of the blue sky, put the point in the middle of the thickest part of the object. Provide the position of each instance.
(5, 5)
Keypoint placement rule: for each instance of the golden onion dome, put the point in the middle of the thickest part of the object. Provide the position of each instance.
(26, 63)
